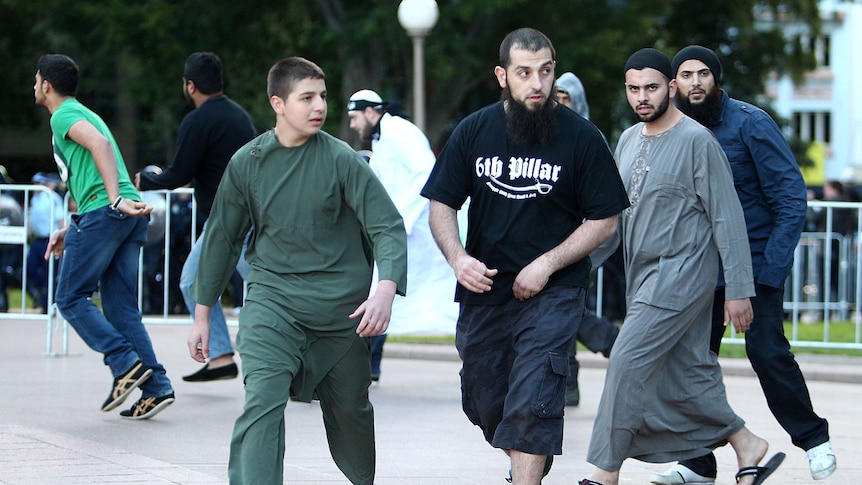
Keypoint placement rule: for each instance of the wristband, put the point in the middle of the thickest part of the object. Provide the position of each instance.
(116, 205)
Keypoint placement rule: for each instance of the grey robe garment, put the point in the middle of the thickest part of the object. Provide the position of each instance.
(664, 398)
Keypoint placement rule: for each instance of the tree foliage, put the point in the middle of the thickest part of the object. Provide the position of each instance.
(132, 53)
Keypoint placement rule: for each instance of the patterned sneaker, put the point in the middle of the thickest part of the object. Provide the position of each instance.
(147, 407)
(821, 461)
(127, 383)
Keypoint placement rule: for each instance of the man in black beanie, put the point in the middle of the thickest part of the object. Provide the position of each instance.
(773, 196)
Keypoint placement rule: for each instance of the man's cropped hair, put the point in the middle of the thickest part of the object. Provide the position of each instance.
(527, 39)
(61, 71)
(204, 69)
(285, 74)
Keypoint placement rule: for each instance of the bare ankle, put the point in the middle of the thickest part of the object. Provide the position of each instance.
(220, 361)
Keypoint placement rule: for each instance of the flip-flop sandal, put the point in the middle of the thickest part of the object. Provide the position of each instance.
(761, 472)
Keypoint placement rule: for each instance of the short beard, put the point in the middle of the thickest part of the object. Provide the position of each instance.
(707, 112)
(659, 112)
(524, 126)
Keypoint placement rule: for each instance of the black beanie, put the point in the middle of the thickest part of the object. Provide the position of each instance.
(702, 54)
(652, 58)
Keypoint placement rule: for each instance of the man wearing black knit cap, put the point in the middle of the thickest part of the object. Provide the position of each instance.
(683, 216)
(772, 192)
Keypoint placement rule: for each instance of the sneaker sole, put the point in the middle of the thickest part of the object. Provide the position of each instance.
(122, 397)
(664, 480)
(152, 412)
(659, 481)
(824, 473)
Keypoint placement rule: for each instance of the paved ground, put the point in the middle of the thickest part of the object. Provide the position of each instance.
(52, 431)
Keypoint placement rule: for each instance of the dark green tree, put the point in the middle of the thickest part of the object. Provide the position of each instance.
(132, 53)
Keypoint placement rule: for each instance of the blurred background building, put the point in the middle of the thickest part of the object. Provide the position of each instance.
(826, 108)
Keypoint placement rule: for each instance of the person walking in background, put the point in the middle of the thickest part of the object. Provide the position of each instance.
(773, 196)
(46, 216)
(544, 192)
(102, 248)
(402, 159)
(596, 333)
(684, 214)
(208, 136)
(321, 220)
(571, 94)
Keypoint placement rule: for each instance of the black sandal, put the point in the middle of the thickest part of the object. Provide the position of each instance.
(761, 472)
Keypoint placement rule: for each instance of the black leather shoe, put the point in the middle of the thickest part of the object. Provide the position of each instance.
(229, 371)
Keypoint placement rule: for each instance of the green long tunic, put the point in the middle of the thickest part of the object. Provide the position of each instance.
(320, 219)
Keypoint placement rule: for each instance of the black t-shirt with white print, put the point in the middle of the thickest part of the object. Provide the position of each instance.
(525, 200)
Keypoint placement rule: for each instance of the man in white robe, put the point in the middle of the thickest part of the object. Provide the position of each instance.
(402, 159)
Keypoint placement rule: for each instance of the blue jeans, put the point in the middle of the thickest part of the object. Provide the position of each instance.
(219, 337)
(102, 250)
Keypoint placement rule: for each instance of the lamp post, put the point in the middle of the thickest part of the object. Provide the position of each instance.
(418, 17)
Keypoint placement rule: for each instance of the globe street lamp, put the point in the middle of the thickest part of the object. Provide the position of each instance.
(418, 17)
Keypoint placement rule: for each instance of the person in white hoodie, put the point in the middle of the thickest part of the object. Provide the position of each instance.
(402, 159)
(595, 332)
(570, 92)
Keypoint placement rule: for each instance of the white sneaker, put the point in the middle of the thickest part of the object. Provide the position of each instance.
(680, 475)
(821, 461)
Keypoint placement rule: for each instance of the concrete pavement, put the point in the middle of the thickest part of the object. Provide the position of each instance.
(52, 431)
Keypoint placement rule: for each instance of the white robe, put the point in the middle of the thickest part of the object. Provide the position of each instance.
(402, 159)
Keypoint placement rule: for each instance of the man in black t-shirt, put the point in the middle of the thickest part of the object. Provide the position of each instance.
(544, 192)
(208, 137)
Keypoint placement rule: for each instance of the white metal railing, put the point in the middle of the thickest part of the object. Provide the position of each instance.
(161, 200)
(15, 231)
(15, 227)
(825, 283)
(823, 260)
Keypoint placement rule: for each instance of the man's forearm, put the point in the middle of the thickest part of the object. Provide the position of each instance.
(444, 226)
(587, 237)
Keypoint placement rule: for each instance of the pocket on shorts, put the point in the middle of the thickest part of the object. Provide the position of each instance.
(550, 400)
(470, 410)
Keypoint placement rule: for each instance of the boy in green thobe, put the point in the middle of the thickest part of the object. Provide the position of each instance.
(320, 220)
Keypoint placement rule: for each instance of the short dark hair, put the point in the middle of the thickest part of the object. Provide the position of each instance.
(204, 69)
(61, 71)
(527, 39)
(285, 74)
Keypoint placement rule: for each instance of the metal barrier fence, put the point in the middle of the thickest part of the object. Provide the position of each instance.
(15, 241)
(825, 283)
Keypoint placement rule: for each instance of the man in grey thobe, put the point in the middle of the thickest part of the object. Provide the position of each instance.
(663, 396)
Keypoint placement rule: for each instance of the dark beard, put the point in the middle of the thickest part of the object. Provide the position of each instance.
(707, 112)
(659, 112)
(524, 126)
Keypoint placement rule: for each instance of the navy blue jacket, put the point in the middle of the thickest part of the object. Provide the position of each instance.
(769, 184)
